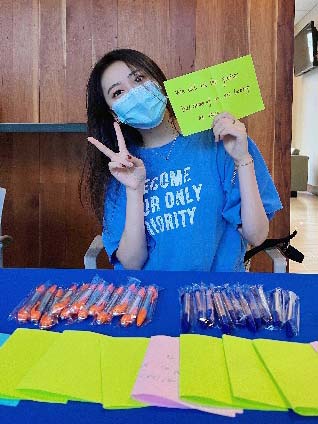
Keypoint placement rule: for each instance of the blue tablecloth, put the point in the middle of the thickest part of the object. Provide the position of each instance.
(16, 283)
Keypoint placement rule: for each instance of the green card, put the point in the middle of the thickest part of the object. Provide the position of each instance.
(199, 96)
(122, 358)
(18, 355)
(294, 367)
(203, 373)
(70, 368)
(249, 379)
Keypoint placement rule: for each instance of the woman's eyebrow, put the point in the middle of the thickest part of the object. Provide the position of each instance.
(118, 83)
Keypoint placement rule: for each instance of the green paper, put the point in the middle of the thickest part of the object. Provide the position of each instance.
(294, 367)
(70, 368)
(249, 379)
(199, 96)
(6, 402)
(203, 373)
(20, 352)
(122, 358)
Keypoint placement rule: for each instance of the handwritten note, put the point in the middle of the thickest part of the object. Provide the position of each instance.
(199, 96)
(158, 379)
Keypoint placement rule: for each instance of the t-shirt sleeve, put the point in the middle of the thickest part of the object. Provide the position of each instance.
(114, 221)
(269, 195)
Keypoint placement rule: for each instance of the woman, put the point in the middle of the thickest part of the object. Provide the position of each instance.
(171, 202)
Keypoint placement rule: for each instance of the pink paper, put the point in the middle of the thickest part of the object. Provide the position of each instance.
(314, 345)
(158, 378)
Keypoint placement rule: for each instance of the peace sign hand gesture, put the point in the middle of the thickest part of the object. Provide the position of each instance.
(127, 169)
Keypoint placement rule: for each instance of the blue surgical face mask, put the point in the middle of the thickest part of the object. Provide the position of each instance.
(142, 107)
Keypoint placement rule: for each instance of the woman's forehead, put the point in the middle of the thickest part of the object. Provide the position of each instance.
(116, 72)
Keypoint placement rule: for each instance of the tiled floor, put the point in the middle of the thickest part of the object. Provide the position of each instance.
(304, 218)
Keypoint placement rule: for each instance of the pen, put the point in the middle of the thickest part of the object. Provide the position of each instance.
(240, 315)
(83, 312)
(132, 313)
(123, 304)
(210, 316)
(106, 315)
(186, 312)
(66, 312)
(223, 318)
(228, 304)
(253, 307)
(102, 301)
(292, 323)
(147, 305)
(250, 323)
(24, 313)
(277, 307)
(39, 307)
(81, 301)
(48, 319)
(65, 300)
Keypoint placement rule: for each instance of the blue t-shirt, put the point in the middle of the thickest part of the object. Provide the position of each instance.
(192, 206)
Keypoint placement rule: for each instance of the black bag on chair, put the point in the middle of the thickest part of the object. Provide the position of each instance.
(283, 244)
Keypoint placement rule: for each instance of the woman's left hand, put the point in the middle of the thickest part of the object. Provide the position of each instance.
(234, 136)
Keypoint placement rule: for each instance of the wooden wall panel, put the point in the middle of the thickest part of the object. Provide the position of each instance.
(21, 211)
(78, 57)
(47, 49)
(104, 27)
(52, 63)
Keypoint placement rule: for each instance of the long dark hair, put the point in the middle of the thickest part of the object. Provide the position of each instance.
(95, 173)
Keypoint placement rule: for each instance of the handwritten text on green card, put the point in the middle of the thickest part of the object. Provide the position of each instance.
(198, 97)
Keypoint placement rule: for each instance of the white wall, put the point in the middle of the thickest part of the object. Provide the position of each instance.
(305, 109)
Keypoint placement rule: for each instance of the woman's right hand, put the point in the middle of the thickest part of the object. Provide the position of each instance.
(126, 168)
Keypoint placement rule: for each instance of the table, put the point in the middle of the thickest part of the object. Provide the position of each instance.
(15, 283)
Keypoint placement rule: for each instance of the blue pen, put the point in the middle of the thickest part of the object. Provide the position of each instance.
(224, 320)
(250, 323)
(262, 304)
(240, 315)
(253, 307)
(277, 308)
(228, 304)
(210, 316)
(186, 312)
(292, 323)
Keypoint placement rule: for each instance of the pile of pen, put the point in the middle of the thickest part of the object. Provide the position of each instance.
(231, 307)
(48, 304)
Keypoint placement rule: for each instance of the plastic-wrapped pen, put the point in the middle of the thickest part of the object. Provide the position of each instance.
(293, 315)
(83, 311)
(24, 313)
(224, 319)
(200, 302)
(102, 301)
(277, 308)
(250, 323)
(239, 313)
(147, 306)
(49, 319)
(262, 304)
(253, 307)
(130, 317)
(210, 315)
(39, 307)
(185, 311)
(106, 315)
(228, 304)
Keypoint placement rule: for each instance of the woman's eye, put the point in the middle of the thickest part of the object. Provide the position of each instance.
(139, 78)
(116, 93)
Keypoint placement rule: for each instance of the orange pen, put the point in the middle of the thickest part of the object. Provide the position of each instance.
(132, 313)
(23, 314)
(66, 312)
(76, 306)
(150, 298)
(106, 315)
(83, 312)
(124, 302)
(39, 307)
(49, 319)
(65, 300)
(102, 301)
